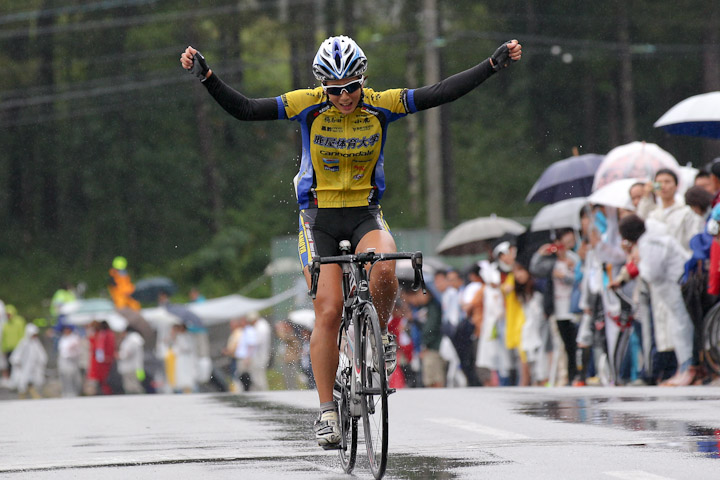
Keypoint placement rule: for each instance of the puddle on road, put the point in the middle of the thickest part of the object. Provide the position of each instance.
(683, 436)
(295, 426)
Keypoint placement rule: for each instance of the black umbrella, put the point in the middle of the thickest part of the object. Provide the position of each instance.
(148, 289)
(568, 178)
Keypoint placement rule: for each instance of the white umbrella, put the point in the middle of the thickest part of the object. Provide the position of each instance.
(85, 311)
(615, 194)
(563, 214)
(160, 317)
(686, 179)
(633, 160)
(405, 272)
(697, 116)
(304, 318)
(475, 236)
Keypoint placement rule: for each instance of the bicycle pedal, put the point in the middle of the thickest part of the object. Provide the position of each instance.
(391, 391)
(332, 446)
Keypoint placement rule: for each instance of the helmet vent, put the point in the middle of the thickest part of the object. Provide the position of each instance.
(337, 55)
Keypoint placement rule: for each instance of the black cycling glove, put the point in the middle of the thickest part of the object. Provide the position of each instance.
(199, 67)
(501, 58)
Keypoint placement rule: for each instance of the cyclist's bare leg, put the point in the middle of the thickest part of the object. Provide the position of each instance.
(323, 342)
(383, 283)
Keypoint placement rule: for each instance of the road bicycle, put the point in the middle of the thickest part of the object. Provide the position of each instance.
(361, 385)
(711, 339)
(624, 320)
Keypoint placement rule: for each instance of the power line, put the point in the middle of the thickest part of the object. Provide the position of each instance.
(50, 93)
(70, 9)
(110, 86)
(102, 91)
(117, 22)
(139, 20)
(585, 44)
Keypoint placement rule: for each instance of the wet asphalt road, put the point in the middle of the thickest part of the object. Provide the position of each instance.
(646, 433)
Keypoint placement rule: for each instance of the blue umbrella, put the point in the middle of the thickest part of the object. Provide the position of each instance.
(568, 178)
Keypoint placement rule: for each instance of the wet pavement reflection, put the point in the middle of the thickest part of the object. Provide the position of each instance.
(683, 436)
(294, 424)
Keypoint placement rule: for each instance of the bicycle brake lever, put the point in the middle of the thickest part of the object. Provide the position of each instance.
(314, 275)
(417, 265)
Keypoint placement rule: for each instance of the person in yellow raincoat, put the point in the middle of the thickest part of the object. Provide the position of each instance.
(506, 256)
(121, 286)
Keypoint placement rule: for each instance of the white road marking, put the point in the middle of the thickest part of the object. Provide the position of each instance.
(636, 475)
(477, 428)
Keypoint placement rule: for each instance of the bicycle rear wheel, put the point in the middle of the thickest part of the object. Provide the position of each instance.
(348, 423)
(375, 394)
(711, 339)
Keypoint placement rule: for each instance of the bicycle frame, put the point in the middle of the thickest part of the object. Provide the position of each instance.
(356, 292)
(368, 378)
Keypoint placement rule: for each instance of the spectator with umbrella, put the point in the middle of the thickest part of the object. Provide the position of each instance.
(714, 269)
(195, 328)
(660, 262)
(681, 221)
(556, 262)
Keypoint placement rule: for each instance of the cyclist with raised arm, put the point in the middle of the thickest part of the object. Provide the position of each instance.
(341, 179)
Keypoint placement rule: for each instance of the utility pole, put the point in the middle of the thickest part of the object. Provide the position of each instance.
(433, 152)
(711, 70)
(627, 94)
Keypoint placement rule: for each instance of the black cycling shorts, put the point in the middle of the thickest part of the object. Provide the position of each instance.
(322, 229)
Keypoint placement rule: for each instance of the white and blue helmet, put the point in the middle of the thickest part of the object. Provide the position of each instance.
(337, 58)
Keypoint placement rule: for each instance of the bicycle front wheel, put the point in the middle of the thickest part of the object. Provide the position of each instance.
(375, 392)
(348, 423)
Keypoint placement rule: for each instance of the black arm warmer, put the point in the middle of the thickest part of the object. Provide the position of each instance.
(453, 87)
(238, 105)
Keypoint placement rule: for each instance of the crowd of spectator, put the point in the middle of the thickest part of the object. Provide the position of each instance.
(621, 301)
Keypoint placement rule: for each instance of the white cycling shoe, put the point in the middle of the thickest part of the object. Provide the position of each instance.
(327, 430)
(390, 347)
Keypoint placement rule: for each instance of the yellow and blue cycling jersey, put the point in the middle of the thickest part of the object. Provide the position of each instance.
(342, 162)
